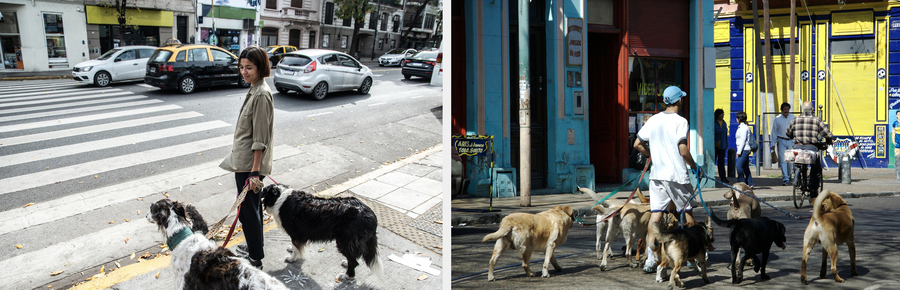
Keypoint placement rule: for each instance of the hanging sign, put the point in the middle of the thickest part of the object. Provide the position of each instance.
(213, 39)
(574, 45)
(473, 145)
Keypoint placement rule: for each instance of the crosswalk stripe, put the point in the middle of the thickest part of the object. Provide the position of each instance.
(72, 149)
(74, 120)
(70, 205)
(75, 104)
(41, 85)
(50, 98)
(46, 177)
(44, 93)
(78, 110)
(96, 128)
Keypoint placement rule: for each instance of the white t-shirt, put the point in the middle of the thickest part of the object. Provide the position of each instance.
(663, 131)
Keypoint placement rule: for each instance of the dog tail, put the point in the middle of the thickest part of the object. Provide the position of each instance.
(371, 257)
(817, 207)
(501, 232)
(720, 222)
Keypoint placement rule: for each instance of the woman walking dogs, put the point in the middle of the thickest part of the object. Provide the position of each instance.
(251, 154)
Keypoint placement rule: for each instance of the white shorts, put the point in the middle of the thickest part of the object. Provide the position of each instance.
(662, 192)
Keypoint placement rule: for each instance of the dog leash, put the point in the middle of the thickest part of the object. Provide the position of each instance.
(760, 200)
(237, 205)
(646, 166)
(699, 174)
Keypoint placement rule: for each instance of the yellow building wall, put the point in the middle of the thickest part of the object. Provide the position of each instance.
(723, 72)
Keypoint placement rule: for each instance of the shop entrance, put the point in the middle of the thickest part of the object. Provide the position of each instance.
(605, 122)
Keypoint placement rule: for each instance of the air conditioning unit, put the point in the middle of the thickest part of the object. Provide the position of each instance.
(249, 23)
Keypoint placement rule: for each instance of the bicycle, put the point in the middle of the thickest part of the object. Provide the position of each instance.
(801, 180)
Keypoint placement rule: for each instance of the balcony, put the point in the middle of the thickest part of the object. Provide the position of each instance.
(296, 13)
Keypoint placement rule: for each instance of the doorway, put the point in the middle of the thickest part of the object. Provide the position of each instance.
(606, 112)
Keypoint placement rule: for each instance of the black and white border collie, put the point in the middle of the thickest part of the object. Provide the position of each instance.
(200, 263)
(309, 218)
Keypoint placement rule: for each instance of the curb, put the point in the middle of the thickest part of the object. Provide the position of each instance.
(494, 218)
(35, 78)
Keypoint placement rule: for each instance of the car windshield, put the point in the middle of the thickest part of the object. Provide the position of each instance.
(426, 55)
(295, 60)
(160, 56)
(395, 51)
(109, 54)
(271, 49)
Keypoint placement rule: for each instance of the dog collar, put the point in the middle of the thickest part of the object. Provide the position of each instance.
(178, 237)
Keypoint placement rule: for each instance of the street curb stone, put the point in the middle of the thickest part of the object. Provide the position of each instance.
(493, 218)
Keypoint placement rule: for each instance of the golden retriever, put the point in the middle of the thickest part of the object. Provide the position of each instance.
(832, 225)
(529, 232)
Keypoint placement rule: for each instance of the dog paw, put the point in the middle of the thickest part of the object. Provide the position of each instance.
(290, 259)
(344, 263)
(491, 279)
(853, 273)
(290, 250)
(802, 280)
(602, 267)
(529, 274)
(344, 278)
(545, 274)
(764, 276)
(838, 279)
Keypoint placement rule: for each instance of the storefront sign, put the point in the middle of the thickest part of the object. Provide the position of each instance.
(894, 92)
(474, 145)
(573, 41)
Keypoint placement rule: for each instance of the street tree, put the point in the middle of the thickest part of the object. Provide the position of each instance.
(356, 10)
(120, 6)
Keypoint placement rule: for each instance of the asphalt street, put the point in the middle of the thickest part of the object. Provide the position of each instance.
(877, 243)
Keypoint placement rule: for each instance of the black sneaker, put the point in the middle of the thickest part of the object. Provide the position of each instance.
(242, 250)
(255, 263)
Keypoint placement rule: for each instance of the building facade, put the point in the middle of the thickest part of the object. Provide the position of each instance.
(290, 22)
(232, 25)
(42, 35)
(147, 23)
(847, 63)
(596, 68)
(381, 30)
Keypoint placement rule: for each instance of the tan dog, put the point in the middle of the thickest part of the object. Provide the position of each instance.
(631, 221)
(832, 225)
(530, 232)
(742, 206)
(680, 245)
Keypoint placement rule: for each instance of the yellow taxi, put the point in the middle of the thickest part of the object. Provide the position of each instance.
(276, 51)
(188, 67)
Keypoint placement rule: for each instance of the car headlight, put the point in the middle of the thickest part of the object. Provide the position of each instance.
(87, 68)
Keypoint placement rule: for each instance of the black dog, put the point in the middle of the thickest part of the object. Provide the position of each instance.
(755, 236)
(309, 218)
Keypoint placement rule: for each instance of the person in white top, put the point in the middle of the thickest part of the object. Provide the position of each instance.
(664, 138)
(780, 140)
(741, 138)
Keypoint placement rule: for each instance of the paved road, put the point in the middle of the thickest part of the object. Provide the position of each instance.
(80, 164)
(876, 239)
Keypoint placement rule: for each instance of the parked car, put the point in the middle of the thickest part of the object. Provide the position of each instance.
(276, 51)
(321, 71)
(191, 66)
(437, 78)
(395, 56)
(421, 65)
(126, 63)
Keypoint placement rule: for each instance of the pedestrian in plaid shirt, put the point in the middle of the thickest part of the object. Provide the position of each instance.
(805, 131)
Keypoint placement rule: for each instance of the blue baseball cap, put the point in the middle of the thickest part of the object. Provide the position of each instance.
(672, 94)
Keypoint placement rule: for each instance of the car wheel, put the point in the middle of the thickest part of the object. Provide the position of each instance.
(281, 90)
(102, 79)
(320, 91)
(187, 85)
(365, 86)
(407, 76)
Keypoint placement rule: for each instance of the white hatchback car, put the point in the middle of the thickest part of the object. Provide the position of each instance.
(321, 71)
(395, 56)
(125, 63)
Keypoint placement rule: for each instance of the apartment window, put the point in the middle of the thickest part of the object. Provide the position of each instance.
(396, 24)
(347, 22)
(853, 46)
(297, 3)
(56, 40)
(383, 21)
(429, 21)
(329, 13)
(373, 20)
(271, 4)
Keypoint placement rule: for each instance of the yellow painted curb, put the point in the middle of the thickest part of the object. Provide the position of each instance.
(137, 269)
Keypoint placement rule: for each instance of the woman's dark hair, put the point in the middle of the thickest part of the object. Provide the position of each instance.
(258, 57)
(720, 112)
(741, 117)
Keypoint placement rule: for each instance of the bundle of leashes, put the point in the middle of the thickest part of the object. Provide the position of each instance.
(237, 205)
(614, 213)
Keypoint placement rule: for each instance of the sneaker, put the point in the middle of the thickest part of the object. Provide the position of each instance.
(242, 250)
(255, 263)
(650, 263)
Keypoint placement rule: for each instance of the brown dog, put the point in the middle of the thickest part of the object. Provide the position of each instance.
(631, 220)
(832, 225)
(742, 206)
(681, 245)
(529, 232)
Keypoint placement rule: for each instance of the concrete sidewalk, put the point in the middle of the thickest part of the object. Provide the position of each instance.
(865, 183)
(407, 198)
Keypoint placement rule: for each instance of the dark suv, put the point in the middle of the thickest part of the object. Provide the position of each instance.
(191, 66)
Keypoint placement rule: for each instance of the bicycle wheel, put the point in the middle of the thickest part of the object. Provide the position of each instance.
(799, 185)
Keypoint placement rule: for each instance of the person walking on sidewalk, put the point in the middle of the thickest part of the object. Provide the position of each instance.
(664, 138)
(251, 154)
(742, 138)
(782, 142)
(805, 131)
(721, 143)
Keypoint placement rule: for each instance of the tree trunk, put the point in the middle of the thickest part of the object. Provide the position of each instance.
(354, 44)
(120, 15)
(409, 29)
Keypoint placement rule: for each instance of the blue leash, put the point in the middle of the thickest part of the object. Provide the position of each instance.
(700, 174)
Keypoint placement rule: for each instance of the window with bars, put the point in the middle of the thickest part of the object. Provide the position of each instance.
(429, 21)
(396, 24)
(329, 13)
(384, 21)
(373, 20)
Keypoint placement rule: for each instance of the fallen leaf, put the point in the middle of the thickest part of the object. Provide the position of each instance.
(321, 249)
(439, 247)
(117, 265)
(423, 277)
(95, 176)
(18, 246)
(146, 255)
(157, 275)
(56, 273)
(166, 194)
(199, 153)
(126, 220)
(439, 222)
(132, 256)
(126, 241)
(80, 182)
(220, 184)
(112, 222)
(49, 286)
(336, 280)
(140, 199)
(102, 269)
(139, 212)
(48, 167)
(67, 263)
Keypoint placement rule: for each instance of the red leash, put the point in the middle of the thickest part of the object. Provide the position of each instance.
(231, 230)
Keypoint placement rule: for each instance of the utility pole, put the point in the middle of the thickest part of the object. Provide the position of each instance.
(793, 51)
(770, 91)
(760, 72)
(524, 108)
(375, 35)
